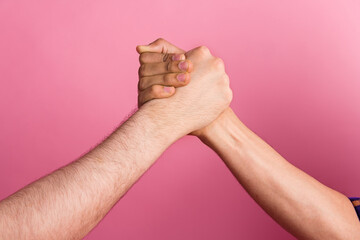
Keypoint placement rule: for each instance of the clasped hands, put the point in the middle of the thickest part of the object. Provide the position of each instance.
(164, 71)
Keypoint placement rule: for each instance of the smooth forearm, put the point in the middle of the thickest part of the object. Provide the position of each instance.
(301, 204)
(68, 203)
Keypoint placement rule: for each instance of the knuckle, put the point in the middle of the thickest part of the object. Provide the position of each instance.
(160, 40)
(203, 50)
(142, 70)
(154, 91)
(141, 58)
(227, 90)
(226, 80)
(229, 95)
(219, 63)
(223, 80)
(142, 83)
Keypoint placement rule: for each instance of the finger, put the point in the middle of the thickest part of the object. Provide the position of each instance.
(171, 79)
(159, 45)
(150, 69)
(155, 91)
(152, 57)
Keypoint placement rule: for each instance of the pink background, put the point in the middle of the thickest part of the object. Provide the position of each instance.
(68, 72)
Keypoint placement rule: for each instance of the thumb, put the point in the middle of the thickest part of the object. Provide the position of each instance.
(159, 45)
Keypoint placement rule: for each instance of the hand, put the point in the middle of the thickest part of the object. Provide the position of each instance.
(160, 73)
(208, 94)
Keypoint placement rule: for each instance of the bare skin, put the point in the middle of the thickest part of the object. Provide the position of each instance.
(69, 202)
(171, 70)
(299, 203)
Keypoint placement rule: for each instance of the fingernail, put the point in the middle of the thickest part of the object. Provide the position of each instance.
(167, 89)
(183, 65)
(178, 57)
(181, 77)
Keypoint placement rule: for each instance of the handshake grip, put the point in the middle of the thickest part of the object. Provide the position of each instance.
(188, 89)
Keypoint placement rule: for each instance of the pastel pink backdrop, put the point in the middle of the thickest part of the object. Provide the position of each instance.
(68, 72)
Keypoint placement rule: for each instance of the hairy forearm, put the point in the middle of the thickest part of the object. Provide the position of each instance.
(298, 202)
(69, 202)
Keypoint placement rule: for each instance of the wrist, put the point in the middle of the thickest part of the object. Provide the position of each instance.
(161, 121)
(216, 127)
(226, 131)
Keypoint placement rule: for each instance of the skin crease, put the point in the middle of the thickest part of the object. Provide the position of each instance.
(299, 203)
(69, 202)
